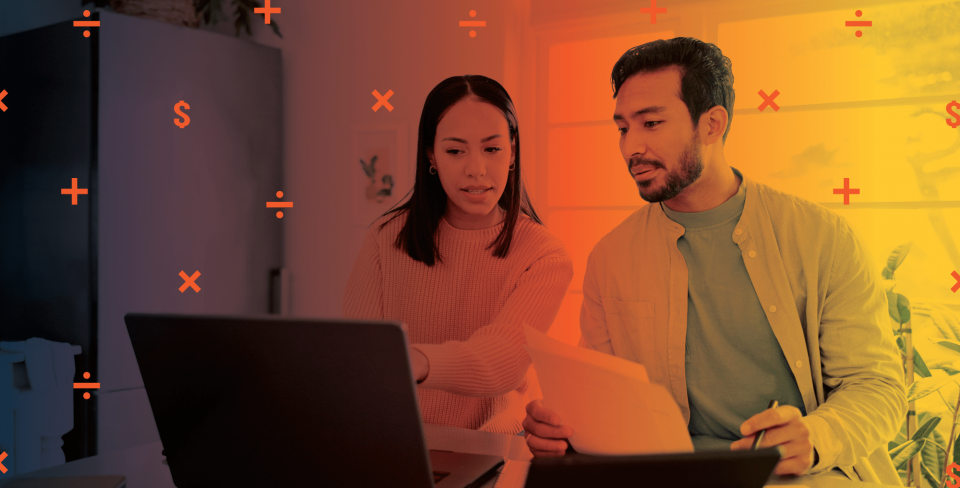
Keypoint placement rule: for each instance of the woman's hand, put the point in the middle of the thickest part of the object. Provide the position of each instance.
(419, 364)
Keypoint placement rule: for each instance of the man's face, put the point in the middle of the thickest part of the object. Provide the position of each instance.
(657, 140)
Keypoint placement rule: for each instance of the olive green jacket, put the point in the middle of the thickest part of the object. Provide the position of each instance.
(822, 298)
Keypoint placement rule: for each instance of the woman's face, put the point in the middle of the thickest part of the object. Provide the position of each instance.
(472, 153)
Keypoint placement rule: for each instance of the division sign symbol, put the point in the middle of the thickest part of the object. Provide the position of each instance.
(266, 11)
(3, 469)
(73, 192)
(2, 106)
(86, 23)
(653, 11)
(859, 23)
(382, 100)
(189, 281)
(86, 394)
(473, 23)
(846, 191)
(769, 100)
(279, 205)
(957, 277)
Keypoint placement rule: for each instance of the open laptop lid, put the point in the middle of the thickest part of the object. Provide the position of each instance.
(316, 401)
(716, 469)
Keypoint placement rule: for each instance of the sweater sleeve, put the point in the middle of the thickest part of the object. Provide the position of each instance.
(363, 298)
(493, 361)
(862, 377)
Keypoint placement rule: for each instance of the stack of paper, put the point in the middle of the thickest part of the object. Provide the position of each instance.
(608, 401)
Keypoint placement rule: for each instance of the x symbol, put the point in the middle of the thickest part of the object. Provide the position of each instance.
(382, 100)
(957, 286)
(189, 281)
(769, 100)
(3, 469)
(2, 106)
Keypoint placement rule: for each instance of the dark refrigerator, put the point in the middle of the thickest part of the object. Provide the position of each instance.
(163, 196)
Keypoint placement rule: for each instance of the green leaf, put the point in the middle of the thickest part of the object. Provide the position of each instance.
(949, 369)
(904, 452)
(919, 366)
(898, 307)
(928, 473)
(949, 344)
(926, 386)
(902, 345)
(925, 429)
(946, 320)
(898, 255)
(956, 451)
(887, 276)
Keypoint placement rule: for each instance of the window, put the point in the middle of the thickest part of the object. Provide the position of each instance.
(867, 108)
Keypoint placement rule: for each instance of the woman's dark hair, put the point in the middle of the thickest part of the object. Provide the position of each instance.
(706, 75)
(428, 200)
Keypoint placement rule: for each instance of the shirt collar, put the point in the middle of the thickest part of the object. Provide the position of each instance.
(727, 210)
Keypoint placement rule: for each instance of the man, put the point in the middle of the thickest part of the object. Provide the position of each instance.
(731, 293)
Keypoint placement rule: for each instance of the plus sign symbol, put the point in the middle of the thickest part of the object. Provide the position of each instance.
(846, 191)
(73, 191)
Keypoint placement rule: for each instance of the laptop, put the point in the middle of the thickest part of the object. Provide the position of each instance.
(268, 401)
(716, 469)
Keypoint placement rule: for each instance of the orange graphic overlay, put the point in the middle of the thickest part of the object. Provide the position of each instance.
(189, 281)
(768, 100)
(859, 23)
(2, 106)
(846, 191)
(86, 23)
(653, 11)
(382, 100)
(266, 11)
(473, 23)
(3, 469)
(279, 205)
(73, 191)
(77, 386)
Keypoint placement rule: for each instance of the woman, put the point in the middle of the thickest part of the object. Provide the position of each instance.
(465, 262)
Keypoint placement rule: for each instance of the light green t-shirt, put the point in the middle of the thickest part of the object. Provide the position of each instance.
(734, 364)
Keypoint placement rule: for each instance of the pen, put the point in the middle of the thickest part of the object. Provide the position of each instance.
(756, 442)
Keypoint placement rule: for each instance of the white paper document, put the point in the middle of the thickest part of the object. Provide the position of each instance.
(608, 401)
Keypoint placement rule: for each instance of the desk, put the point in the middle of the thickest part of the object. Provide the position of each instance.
(144, 468)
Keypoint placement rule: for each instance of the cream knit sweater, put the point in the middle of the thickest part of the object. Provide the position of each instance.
(465, 314)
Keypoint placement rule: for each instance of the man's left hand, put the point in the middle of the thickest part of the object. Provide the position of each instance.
(785, 428)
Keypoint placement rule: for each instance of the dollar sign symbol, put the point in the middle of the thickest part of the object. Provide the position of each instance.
(952, 480)
(186, 118)
(956, 116)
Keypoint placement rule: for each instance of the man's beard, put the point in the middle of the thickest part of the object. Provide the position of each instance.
(691, 165)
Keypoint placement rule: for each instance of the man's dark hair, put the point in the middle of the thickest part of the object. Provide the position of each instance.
(706, 75)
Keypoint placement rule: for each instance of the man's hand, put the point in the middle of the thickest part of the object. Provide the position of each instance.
(419, 364)
(785, 428)
(541, 427)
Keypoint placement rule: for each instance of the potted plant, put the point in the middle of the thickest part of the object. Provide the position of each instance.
(923, 454)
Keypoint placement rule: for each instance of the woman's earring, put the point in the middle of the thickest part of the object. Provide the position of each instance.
(513, 165)
(432, 170)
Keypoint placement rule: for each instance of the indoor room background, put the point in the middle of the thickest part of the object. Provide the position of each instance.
(820, 107)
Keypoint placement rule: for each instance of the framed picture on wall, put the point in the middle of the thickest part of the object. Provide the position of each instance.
(379, 169)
